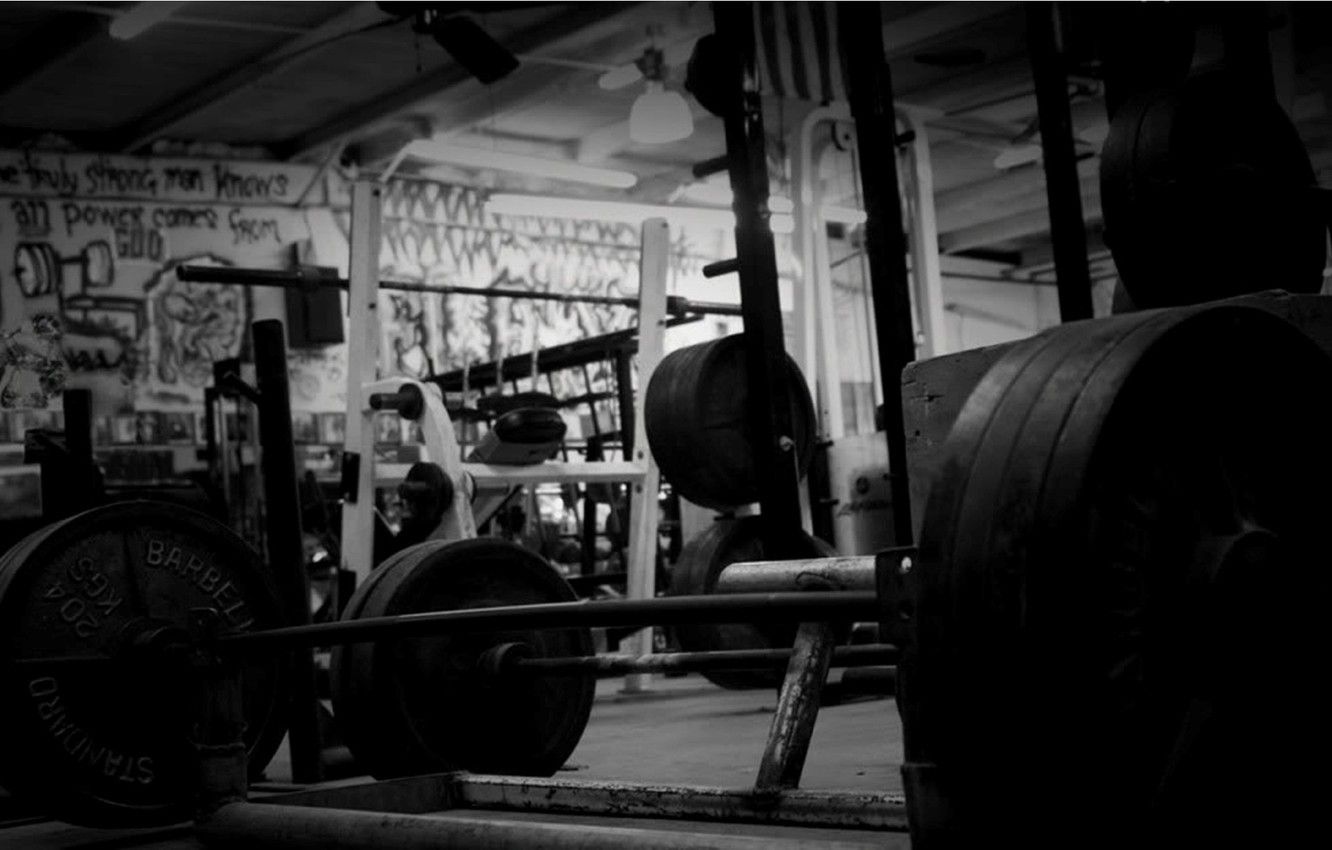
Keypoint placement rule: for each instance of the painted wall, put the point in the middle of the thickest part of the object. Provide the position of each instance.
(89, 297)
(88, 293)
(440, 234)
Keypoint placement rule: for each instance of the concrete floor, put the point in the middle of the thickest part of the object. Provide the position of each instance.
(685, 731)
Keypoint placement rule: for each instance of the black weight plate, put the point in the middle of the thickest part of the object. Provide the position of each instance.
(695, 418)
(1206, 194)
(349, 703)
(1085, 663)
(106, 743)
(420, 705)
(696, 571)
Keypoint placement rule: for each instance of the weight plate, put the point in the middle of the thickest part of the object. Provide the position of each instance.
(421, 705)
(701, 561)
(696, 425)
(37, 268)
(99, 265)
(1207, 194)
(99, 738)
(1122, 579)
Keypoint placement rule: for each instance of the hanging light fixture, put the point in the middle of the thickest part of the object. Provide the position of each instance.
(659, 115)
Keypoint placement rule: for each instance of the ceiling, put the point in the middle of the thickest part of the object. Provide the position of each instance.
(325, 82)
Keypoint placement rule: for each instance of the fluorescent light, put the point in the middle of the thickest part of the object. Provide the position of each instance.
(844, 215)
(1096, 133)
(708, 193)
(502, 203)
(449, 153)
(1016, 155)
(542, 206)
(720, 194)
(618, 78)
(139, 18)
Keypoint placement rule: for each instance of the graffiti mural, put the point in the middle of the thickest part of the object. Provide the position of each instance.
(194, 324)
(88, 292)
(441, 234)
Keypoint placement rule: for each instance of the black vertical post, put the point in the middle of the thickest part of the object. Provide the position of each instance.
(286, 552)
(870, 91)
(769, 415)
(624, 391)
(1068, 233)
(83, 484)
(77, 405)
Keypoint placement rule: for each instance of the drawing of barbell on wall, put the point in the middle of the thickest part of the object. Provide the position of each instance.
(101, 320)
(41, 271)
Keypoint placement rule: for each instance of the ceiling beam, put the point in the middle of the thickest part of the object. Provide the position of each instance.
(1012, 227)
(538, 82)
(575, 24)
(146, 129)
(992, 82)
(1003, 187)
(960, 216)
(53, 40)
(915, 29)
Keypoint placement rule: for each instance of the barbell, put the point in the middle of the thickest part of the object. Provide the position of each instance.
(470, 654)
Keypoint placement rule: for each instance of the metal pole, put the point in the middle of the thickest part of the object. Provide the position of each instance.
(662, 611)
(870, 90)
(797, 708)
(286, 551)
(769, 415)
(1068, 232)
(641, 564)
(358, 460)
(232, 276)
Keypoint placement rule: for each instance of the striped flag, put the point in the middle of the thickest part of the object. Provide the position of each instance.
(796, 46)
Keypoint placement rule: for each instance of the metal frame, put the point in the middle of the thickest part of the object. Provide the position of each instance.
(769, 413)
(441, 443)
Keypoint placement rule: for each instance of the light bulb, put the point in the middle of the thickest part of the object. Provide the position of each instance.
(659, 116)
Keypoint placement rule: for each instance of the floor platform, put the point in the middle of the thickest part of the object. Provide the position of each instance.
(683, 731)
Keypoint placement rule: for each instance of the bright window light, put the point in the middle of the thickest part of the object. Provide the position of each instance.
(448, 153)
(141, 17)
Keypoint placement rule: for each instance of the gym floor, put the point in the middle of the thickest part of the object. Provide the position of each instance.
(684, 731)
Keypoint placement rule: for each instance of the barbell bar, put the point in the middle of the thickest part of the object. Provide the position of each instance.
(661, 611)
(506, 661)
(309, 278)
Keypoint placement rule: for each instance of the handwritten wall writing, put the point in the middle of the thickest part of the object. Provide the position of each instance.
(98, 176)
(88, 293)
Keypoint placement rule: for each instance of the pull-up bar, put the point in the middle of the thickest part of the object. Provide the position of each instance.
(313, 278)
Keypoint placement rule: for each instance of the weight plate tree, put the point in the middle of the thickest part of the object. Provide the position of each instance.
(1208, 193)
(425, 704)
(701, 561)
(80, 602)
(1122, 590)
(696, 407)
